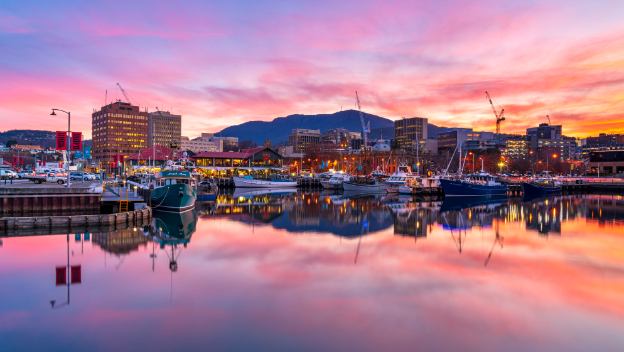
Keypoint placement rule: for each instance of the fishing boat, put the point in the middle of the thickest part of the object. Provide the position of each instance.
(335, 181)
(364, 185)
(275, 182)
(479, 184)
(421, 186)
(173, 190)
(541, 186)
(400, 178)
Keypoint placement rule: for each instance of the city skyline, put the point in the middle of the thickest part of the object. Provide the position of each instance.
(228, 63)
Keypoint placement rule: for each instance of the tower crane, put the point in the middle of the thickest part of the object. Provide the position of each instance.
(365, 126)
(499, 115)
(124, 93)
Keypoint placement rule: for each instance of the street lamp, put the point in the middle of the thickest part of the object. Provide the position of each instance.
(53, 113)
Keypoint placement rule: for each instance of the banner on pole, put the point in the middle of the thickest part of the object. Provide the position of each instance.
(61, 140)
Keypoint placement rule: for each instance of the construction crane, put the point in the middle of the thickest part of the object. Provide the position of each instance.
(499, 115)
(365, 127)
(124, 93)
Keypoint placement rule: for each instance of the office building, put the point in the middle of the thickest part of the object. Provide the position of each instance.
(409, 131)
(304, 139)
(164, 129)
(118, 130)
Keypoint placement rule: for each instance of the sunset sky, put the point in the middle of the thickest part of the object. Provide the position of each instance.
(220, 63)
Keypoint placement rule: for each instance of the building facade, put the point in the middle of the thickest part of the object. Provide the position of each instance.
(164, 129)
(200, 144)
(304, 139)
(606, 162)
(409, 131)
(547, 141)
(118, 130)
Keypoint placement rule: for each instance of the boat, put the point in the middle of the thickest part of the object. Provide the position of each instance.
(479, 184)
(364, 185)
(173, 190)
(336, 181)
(542, 186)
(400, 178)
(276, 182)
(207, 191)
(421, 186)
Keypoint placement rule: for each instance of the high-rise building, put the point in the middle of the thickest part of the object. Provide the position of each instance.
(118, 129)
(164, 129)
(409, 131)
(547, 141)
(303, 139)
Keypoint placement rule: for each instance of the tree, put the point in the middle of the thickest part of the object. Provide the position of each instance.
(11, 142)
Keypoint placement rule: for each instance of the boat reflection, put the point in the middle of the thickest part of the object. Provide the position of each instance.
(171, 230)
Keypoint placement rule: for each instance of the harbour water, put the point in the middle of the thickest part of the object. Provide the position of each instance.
(309, 271)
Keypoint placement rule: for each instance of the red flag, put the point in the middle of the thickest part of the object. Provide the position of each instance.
(61, 140)
(76, 274)
(61, 275)
(76, 140)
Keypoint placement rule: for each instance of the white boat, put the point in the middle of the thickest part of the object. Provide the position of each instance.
(401, 178)
(421, 186)
(250, 182)
(364, 185)
(336, 181)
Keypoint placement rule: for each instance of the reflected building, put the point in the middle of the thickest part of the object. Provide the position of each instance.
(413, 219)
(121, 242)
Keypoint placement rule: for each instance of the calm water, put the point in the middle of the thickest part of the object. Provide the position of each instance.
(319, 272)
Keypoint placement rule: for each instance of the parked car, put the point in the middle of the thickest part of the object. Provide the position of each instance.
(81, 176)
(8, 174)
(24, 174)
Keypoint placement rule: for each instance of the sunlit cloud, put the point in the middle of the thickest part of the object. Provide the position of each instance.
(229, 62)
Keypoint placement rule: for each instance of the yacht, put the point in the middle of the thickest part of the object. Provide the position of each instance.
(275, 182)
(401, 177)
(336, 181)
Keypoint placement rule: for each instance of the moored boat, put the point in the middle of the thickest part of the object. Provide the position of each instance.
(541, 187)
(250, 182)
(336, 181)
(475, 185)
(364, 185)
(400, 179)
(173, 191)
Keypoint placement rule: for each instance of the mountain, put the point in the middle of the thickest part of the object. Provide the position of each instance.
(33, 137)
(280, 128)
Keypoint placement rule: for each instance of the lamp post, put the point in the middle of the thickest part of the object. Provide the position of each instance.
(53, 113)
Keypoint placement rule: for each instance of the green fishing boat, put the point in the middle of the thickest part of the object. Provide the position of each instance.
(173, 191)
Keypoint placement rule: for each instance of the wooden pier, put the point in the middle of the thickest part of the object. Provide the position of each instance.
(20, 226)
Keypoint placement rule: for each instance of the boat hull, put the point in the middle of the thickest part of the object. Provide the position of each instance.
(457, 188)
(241, 182)
(533, 190)
(331, 185)
(364, 188)
(176, 198)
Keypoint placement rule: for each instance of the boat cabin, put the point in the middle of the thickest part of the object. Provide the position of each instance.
(168, 177)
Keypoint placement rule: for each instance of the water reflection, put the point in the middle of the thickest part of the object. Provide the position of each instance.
(349, 216)
(275, 271)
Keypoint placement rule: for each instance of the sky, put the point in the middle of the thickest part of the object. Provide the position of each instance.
(220, 63)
